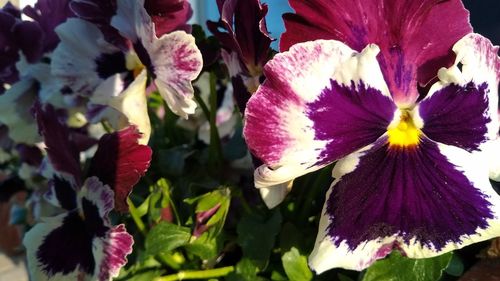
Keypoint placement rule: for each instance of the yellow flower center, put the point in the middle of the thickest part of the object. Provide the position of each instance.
(404, 132)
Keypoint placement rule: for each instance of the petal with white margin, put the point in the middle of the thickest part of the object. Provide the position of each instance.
(461, 109)
(385, 199)
(91, 248)
(320, 102)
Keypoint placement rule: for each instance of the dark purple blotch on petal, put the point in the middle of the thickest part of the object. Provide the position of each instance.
(457, 115)
(110, 64)
(100, 12)
(69, 246)
(65, 193)
(414, 192)
(349, 118)
(143, 55)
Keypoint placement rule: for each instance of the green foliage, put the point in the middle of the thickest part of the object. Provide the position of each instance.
(256, 236)
(398, 268)
(296, 267)
(165, 237)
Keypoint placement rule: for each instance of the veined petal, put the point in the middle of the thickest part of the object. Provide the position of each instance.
(176, 62)
(386, 199)
(461, 109)
(415, 37)
(320, 102)
(173, 60)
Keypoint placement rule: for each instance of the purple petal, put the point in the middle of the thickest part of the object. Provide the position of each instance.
(462, 108)
(423, 201)
(315, 108)
(456, 115)
(246, 32)
(61, 150)
(415, 37)
(32, 155)
(49, 14)
(29, 37)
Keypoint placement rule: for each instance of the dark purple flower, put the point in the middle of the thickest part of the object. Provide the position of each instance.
(245, 41)
(49, 14)
(17, 35)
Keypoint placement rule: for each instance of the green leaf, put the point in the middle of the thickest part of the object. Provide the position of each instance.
(165, 237)
(205, 247)
(456, 266)
(256, 236)
(245, 270)
(295, 266)
(399, 268)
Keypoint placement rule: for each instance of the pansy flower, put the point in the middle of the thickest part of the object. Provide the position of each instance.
(17, 36)
(412, 173)
(116, 75)
(243, 34)
(94, 249)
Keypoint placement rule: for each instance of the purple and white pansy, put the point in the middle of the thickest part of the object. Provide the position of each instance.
(116, 75)
(173, 60)
(80, 243)
(412, 170)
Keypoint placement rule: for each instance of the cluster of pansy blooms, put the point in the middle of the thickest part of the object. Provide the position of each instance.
(401, 95)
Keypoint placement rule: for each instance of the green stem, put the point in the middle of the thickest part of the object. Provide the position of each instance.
(135, 216)
(197, 274)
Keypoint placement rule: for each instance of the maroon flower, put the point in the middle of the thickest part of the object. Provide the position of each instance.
(169, 15)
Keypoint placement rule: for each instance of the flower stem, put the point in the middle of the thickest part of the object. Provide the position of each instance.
(197, 274)
(136, 217)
